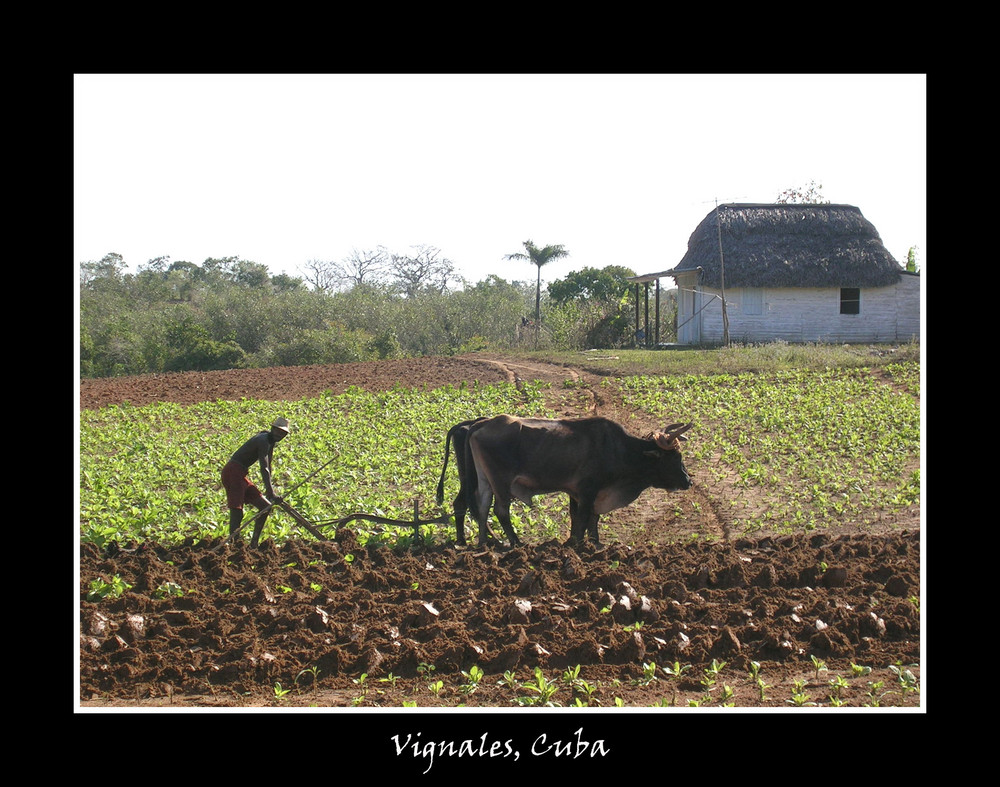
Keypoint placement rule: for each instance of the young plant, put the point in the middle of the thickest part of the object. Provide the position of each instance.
(648, 673)
(712, 674)
(676, 670)
(758, 681)
(906, 679)
(838, 685)
(858, 670)
(99, 589)
(875, 694)
(818, 665)
(799, 697)
(312, 671)
(425, 669)
(572, 678)
(360, 683)
(541, 690)
(472, 679)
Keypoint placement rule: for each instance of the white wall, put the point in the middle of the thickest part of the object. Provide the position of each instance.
(805, 314)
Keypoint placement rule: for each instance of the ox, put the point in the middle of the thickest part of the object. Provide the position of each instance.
(458, 437)
(593, 460)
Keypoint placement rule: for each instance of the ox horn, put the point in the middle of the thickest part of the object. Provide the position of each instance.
(669, 440)
(676, 430)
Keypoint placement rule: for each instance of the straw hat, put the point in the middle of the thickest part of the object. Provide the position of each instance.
(282, 424)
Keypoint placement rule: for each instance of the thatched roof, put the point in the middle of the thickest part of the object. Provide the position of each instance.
(790, 245)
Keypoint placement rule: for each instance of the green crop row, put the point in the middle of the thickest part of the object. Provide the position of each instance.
(799, 449)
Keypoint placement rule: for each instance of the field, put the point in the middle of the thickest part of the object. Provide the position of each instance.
(739, 592)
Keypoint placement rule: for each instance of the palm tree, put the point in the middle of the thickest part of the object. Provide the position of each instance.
(538, 257)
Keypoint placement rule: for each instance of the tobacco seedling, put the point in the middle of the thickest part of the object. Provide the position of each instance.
(472, 680)
(279, 693)
(907, 680)
(542, 688)
(571, 674)
(360, 683)
(838, 685)
(572, 678)
(313, 671)
(676, 670)
(168, 589)
(758, 680)
(819, 665)
(874, 697)
(99, 589)
(648, 673)
(712, 674)
(799, 696)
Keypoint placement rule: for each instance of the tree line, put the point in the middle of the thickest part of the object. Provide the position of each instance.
(231, 313)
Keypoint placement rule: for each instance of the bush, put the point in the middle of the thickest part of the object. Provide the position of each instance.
(335, 344)
(192, 349)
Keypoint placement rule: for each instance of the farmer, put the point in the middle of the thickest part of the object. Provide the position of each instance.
(239, 488)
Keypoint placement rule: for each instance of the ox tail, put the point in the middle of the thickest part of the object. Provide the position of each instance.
(447, 446)
(439, 497)
(448, 440)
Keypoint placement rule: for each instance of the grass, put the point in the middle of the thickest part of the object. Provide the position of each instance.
(736, 359)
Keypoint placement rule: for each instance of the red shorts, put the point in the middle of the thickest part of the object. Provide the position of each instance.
(239, 488)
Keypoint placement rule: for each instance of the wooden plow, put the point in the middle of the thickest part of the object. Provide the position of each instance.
(415, 523)
(313, 528)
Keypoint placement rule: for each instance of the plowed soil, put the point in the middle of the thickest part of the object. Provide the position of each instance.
(393, 628)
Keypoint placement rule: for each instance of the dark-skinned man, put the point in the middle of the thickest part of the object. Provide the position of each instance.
(240, 489)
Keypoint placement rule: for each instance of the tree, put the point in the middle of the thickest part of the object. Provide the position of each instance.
(363, 267)
(425, 270)
(250, 274)
(282, 282)
(538, 257)
(810, 194)
(605, 284)
(111, 268)
(322, 275)
(593, 306)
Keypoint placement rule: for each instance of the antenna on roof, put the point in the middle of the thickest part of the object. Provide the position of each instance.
(722, 272)
(730, 199)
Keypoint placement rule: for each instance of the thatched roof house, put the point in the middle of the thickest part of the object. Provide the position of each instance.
(793, 272)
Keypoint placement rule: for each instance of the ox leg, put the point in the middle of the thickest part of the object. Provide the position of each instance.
(481, 510)
(575, 529)
(583, 520)
(592, 529)
(502, 510)
(460, 507)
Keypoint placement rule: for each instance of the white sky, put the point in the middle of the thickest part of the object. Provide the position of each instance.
(282, 169)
